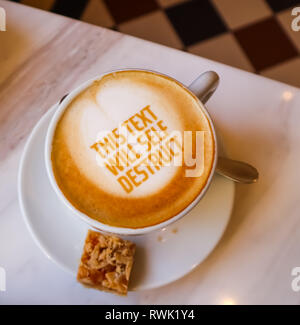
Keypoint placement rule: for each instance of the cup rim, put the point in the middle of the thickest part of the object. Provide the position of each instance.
(97, 224)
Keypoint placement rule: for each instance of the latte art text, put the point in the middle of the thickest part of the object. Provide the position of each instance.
(142, 145)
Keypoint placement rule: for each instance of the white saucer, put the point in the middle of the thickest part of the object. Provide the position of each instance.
(162, 257)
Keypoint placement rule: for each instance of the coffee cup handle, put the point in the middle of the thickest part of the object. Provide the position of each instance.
(205, 85)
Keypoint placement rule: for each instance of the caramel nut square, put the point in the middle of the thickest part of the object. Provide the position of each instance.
(106, 263)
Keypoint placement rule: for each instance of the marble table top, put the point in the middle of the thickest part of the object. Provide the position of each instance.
(43, 56)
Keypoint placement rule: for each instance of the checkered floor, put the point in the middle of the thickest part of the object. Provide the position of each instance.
(254, 35)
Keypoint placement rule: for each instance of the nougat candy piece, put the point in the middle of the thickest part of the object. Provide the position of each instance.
(106, 263)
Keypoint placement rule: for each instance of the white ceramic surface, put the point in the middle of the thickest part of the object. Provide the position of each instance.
(205, 84)
(162, 256)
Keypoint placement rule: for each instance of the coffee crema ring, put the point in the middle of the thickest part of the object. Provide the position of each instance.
(107, 162)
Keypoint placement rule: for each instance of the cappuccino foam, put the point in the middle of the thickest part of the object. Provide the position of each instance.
(128, 192)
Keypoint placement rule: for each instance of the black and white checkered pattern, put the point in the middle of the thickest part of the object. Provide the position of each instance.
(254, 35)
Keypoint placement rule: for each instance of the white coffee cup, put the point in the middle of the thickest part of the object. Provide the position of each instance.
(203, 87)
